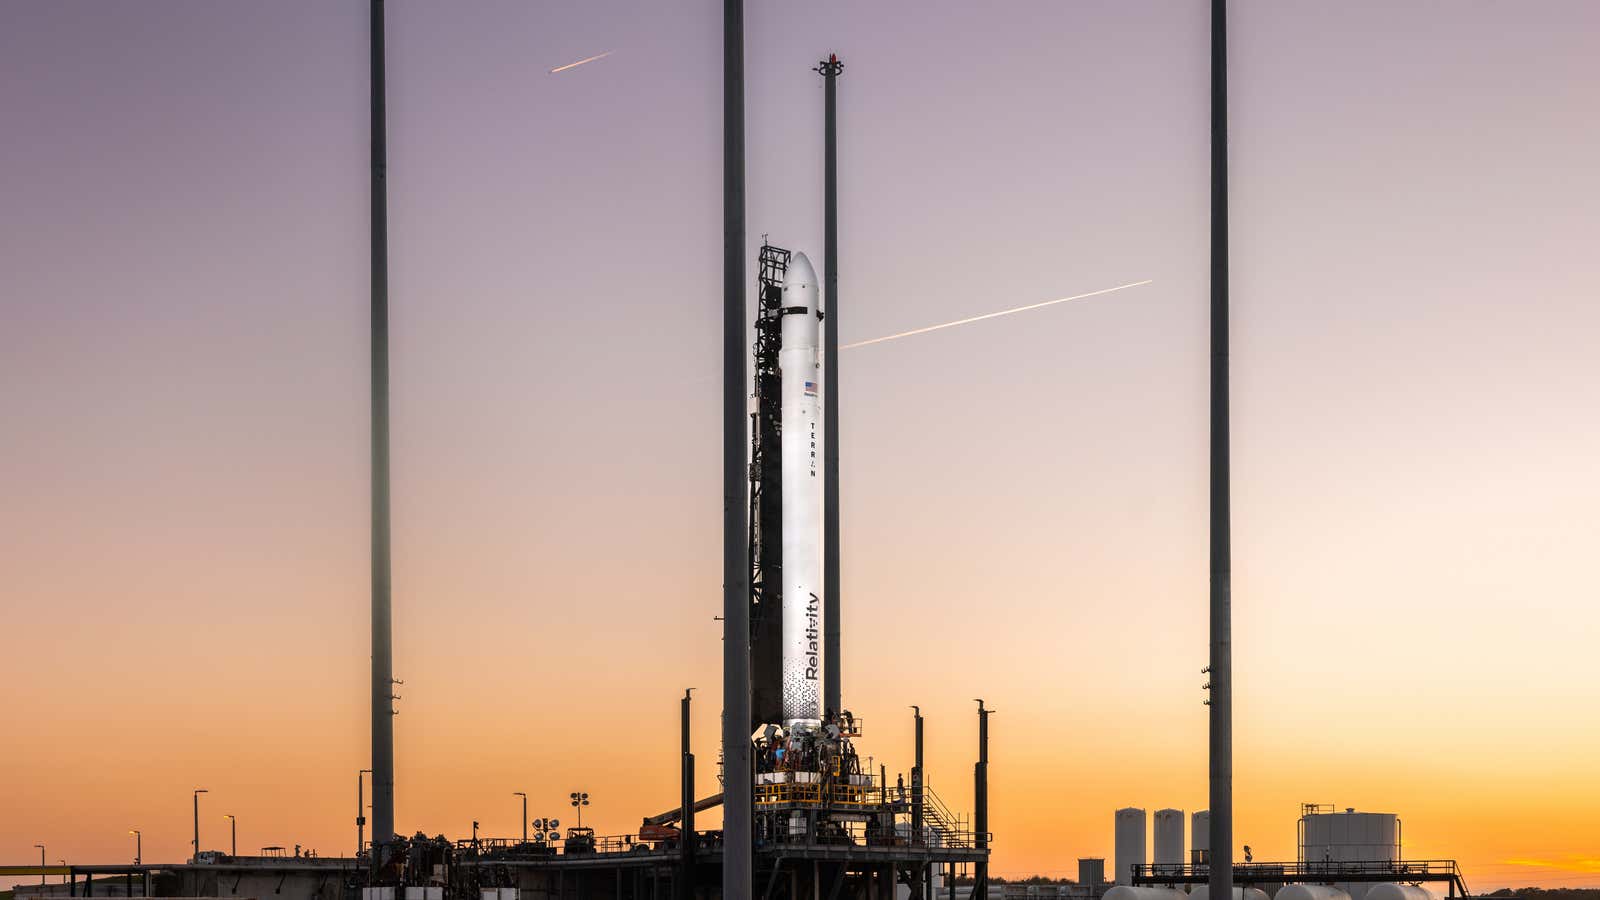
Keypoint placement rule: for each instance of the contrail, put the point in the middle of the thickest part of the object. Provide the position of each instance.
(580, 62)
(1003, 312)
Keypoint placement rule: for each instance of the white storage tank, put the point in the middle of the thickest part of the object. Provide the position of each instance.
(1332, 838)
(1126, 892)
(1203, 892)
(1129, 844)
(1091, 871)
(1399, 892)
(1349, 836)
(1168, 833)
(1310, 892)
(1200, 837)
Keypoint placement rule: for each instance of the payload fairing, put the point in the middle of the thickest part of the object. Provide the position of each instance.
(802, 501)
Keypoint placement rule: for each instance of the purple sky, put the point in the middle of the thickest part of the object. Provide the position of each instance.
(183, 388)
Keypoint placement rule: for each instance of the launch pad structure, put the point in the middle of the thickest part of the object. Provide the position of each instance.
(802, 816)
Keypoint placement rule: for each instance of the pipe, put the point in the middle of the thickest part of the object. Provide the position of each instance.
(1221, 699)
(382, 649)
(675, 814)
(832, 690)
(738, 785)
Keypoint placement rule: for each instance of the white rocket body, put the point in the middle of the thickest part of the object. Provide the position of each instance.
(802, 500)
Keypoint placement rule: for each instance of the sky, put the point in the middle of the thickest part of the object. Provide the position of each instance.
(183, 378)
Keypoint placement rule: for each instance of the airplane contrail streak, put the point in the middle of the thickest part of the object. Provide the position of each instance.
(1003, 312)
(580, 62)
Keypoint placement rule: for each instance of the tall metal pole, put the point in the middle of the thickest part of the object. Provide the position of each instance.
(980, 869)
(382, 650)
(197, 793)
(524, 797)
(738, 788)
(1221, 699)
(916, 785)
(831, 685)
(361, 812)
(923, 872)
(686, 840)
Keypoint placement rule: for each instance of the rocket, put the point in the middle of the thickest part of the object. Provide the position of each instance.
(802, 500)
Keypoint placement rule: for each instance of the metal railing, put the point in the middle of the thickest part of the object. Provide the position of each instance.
(954, 830)
(572, 845)
(1320, 871)
(814, 793)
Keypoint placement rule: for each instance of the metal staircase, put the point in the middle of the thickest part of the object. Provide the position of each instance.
(953, 830)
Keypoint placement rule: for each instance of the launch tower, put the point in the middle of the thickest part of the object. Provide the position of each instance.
(766, 494)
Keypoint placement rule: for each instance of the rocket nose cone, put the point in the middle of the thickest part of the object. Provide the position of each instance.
(799, 274)
(799, 304)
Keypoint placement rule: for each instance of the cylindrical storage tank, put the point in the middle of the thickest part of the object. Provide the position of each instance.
(1126, 892)
(1310, 892)
(1200, 837)
(1389, 891)
(1349, 836)
(1129, 844)
(1379, 837)
(1168, 832)
(1091, 871)
(1203, 892)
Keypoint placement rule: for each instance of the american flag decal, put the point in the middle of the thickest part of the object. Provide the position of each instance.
(811, 388)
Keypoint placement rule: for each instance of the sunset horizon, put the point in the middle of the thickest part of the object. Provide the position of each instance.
(294, 341)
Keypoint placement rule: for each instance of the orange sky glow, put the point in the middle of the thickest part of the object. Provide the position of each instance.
(183, 412)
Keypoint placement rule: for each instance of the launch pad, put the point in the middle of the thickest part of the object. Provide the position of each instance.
(804, 817)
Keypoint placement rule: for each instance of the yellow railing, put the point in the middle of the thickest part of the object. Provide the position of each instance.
(788, 792)
(813, 793)
(849, 794)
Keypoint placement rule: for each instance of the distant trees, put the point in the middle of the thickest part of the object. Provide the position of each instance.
(1533, 893)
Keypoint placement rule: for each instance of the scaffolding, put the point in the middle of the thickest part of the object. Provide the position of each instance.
(766, 492)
